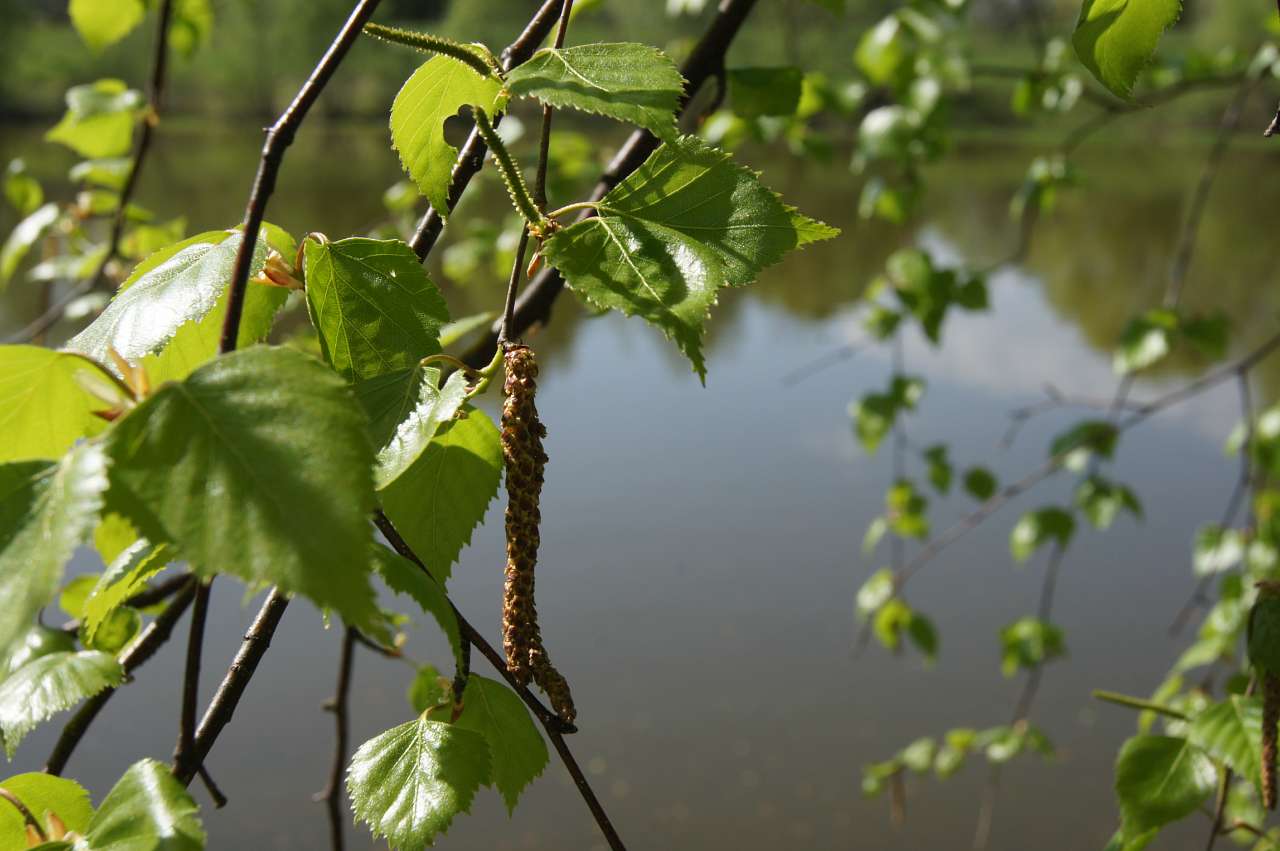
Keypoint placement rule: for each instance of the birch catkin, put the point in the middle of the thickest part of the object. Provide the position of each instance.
(525, 459)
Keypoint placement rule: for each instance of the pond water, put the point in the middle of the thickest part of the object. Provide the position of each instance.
(701, 545)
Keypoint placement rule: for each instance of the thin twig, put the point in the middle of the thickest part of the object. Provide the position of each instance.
(333, 794)
(27, 816)
(279, 136)
(150, 118)
(191, 678)
(142, 649)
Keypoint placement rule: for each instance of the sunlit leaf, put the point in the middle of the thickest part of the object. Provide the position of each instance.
(50, 684)
(1115, 39)
(99, 119)
(21, 189)
(630, 82)
(22, 237)
(257, 465)
(438, 501)
(1029, 642)
(104, 22)
(408, 783)
(1160, 779)
(124, 577)
(1037, 528)
(436, 92)
(147, 810)
(46, 510)
(1231, 731)
(43, 408)
(42, 794)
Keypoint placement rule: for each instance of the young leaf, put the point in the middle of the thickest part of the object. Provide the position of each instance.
(1145, 340)
(443, 496)
(630, 82)
(980, 483)
(1160, 779)
(175, 286)
(22, 237)
(42, 794)
(1217, 550)
(147, 810)
(436, 407)
(124, 577)
(1083, 441)
(257, 465)
(373, 305)
(43, 409)
(1115, 39)
(46, 510)
(104, 22)
(684, 224)
(875, 592)
(23, 192)
(429, 689)
(516, 750)
(1102, 500)
(50, 684)
(1027, 643)
(408, 783)
(405, 577)
(434, 93)
(99, 119)
(1231, 731)
(1036, 528)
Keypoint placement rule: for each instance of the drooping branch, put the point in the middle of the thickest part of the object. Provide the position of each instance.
(142, 649)
(554, 727)
(150, 119)
(279, 136)
(704, 63)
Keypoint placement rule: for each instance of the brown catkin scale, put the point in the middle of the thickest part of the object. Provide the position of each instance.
(1270, 717)
(522, 434)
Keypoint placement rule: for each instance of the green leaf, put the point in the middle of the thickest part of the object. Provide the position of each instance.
(408, 783)
(1217, 550)
(443, 496)
(1118, 841)
(257, 465)
(175, 286)
(754, 92)
(1145, 340)
(907, 510)
(1231, 731)
(1209, 334)
(43, 409)
(436, 407)
(1115, 39)
(74, 593)
(1102, 500)
(516, 750)
(125, 576)
(940, 470)
(42, 794)
(22, 237)
(99, 119)
(147, 810)
(39, 641)
(873, 418)
(1037, 528)
(50, 684)
(629, 82)
(1079, 444)
(684, 224)
(459, 328)
(117, 628)
(104, 22)
(21, 190)
(875, 592)
(191, 24)
(434, 93)
(1028, 643)
(1263, 633)
(883, 53)
(429, 689)
(1160, 779)
(405, 577)
(373, 305)
(980, 483)
(46, 510)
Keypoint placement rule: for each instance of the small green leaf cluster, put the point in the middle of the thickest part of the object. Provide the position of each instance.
(1148, 338)
(944, 758)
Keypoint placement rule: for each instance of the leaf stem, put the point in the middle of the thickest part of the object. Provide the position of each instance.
(27, 816)
(483, 64)
(593, 206)
(1139, 703)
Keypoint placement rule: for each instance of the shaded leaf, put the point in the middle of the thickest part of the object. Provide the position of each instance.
(50, 684)
(405, 577)
(980, 483)
(1160, 779)
(1231, 731)
(516, 751)
(754, 92)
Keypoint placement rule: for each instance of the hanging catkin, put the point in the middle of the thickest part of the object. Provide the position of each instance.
(525, 459)
(1263, 642)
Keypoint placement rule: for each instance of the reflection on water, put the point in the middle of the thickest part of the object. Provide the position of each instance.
(701, 545)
